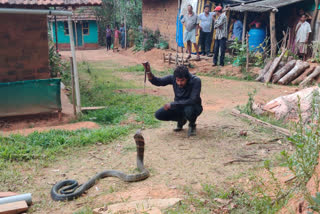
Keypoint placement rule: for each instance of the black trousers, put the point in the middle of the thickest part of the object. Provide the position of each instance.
(205, 42)
(219, 45)
(189, 112)
(108, 43)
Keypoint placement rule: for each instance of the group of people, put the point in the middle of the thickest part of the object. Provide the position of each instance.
(203, 22)
(118, 35)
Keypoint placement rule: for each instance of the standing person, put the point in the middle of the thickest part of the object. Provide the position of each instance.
(303, 31)
(205, 30)
(191, 23)
(187, 101)
(220, 25)
(237, 29)
(123, 35)
(116, 39)
(109, 37)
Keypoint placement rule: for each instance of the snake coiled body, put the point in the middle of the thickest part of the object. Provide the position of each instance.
(70, 189)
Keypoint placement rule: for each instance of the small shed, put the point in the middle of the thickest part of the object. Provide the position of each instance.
(26, 85)
(279, 14)
(85, 29)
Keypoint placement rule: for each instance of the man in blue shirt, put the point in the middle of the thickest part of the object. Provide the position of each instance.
(237, 29)
(206, 19)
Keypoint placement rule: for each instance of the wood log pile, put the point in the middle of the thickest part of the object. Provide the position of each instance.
(175, 59)
(290, 71)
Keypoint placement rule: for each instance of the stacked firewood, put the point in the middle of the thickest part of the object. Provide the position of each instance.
(289, 71)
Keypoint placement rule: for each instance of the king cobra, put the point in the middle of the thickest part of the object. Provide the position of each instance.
(68, 190)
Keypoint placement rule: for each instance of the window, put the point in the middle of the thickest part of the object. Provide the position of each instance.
(85, 28)
(66, 28)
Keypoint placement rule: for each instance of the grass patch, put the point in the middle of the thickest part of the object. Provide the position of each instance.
(212, 199)
(99, 87)
(48, 144)
(104, 88)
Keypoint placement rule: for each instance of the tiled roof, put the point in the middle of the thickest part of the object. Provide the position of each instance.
(81, 13)
(50, 2)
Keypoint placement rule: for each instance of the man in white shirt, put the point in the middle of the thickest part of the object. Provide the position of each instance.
(303, 31)
(206, 19)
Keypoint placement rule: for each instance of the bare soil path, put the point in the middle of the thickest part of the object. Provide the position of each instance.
(174, 160)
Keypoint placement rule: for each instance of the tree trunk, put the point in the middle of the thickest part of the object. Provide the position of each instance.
(294, 73)
(309, 79)
(314, 18)
(304, 75)
(283, 71)
(264, 71)
(273, 67)
(273, 38)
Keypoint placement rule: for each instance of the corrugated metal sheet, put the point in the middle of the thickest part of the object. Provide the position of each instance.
(263, 5)
(49, 2)
(81, 13)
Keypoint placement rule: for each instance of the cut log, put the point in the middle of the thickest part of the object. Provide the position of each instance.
(294, 73)
(283, 71)
(14, 207)
(304, 75)
(264, 71)
(312, 76)
(7, 194)
(273, 67)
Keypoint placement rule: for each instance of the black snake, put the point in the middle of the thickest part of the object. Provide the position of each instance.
(70, 189)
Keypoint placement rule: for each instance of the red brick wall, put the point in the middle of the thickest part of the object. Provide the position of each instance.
(23, 47)
(87, 46)
(162, 15)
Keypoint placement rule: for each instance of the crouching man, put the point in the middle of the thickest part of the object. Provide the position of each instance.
(187, 101)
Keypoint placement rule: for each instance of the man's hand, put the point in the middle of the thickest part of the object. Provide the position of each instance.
(167, 106)
(147, 69)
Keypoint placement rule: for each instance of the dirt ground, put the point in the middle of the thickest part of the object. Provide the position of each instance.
(174, 160)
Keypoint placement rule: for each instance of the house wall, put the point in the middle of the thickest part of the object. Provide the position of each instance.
(90, 41)
(23, 47)
(162, 15)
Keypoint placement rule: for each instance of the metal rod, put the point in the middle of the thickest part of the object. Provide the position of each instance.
(31, 11)
(75, 68)
(23, 197)
(56, 30)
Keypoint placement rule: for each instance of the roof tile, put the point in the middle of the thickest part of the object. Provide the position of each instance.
(51, 2)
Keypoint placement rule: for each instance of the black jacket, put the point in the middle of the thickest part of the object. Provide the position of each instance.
(189, 95)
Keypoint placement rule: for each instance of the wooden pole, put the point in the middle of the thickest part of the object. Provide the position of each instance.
(72, 85)
(75, 30)
(247, 44)
(75, 68)
(244, 29)
(273, 33)
(125, 32)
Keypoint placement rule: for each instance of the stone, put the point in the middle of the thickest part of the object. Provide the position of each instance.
(152, 206)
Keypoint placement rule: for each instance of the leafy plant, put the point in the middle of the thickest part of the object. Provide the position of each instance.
(316, 203)
(306, 140)
(248, 108)
(56, 65)
(316, 51)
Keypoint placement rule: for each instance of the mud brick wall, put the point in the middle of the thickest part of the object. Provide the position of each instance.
(23, 47)
(162, 15)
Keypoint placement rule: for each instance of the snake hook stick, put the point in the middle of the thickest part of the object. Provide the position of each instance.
(68, 190)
